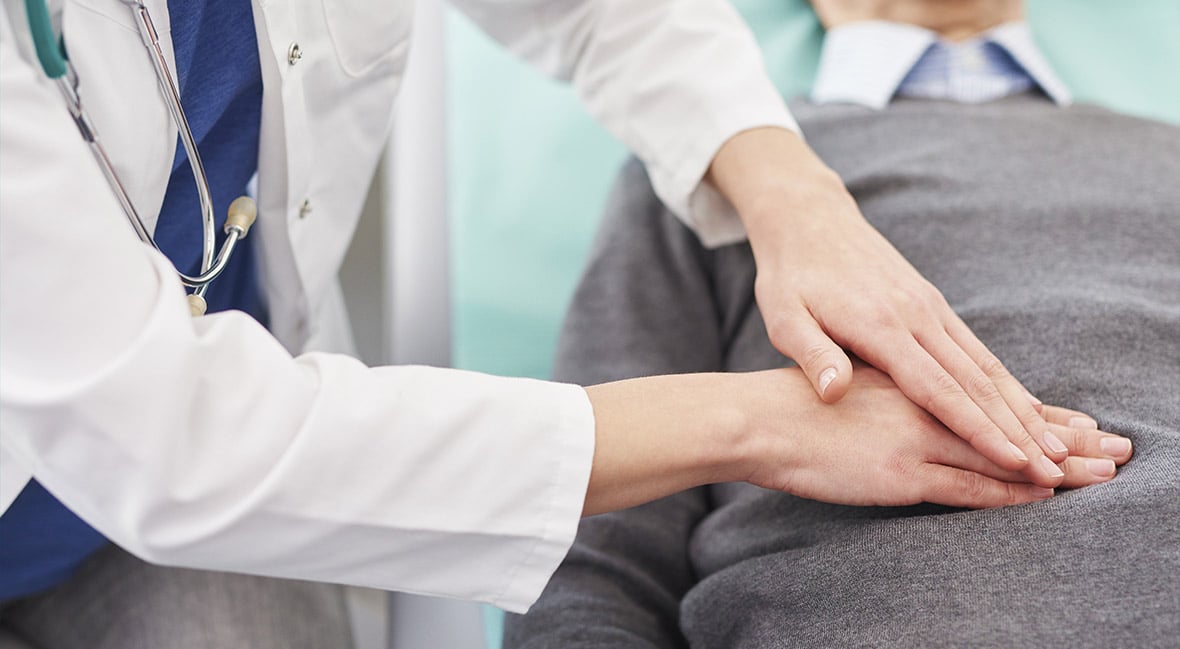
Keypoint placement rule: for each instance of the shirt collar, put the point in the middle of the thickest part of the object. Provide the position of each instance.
(865, 62)
(1017, 39)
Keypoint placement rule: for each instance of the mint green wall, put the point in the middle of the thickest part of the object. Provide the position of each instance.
(530, 171)
(1123, 54)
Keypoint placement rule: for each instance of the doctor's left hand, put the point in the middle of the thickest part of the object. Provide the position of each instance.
(827, 279)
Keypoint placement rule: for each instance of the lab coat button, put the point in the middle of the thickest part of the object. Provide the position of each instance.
(305, 209)
(294, 53)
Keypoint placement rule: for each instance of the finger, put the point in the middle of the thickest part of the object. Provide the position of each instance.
(1067, 417)
(946, 485)
(1080, 470)
(928, 385)
(953, 451)
(1018, 401)
(1085, 471)
(980, 388)
(823, 362)
(1091, 442)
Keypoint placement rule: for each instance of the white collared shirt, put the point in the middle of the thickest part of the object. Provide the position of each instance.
(870, 62)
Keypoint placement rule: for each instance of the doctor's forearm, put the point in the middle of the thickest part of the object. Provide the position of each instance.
(659, 435)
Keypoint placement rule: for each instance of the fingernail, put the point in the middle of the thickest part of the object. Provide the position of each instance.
(1117, 446)
(1035, 401)
(1051, 469)
(1082, 422)
(1054, 443)
(1017, 453)
(1100, 468)
(825, 379)
(1041, 492)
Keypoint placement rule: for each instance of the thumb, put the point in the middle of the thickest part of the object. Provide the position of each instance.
(822, 360)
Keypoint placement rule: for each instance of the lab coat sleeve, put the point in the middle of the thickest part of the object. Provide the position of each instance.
(203, 443)
(673, 79)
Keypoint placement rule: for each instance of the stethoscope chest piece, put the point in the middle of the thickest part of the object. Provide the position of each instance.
(196, 305)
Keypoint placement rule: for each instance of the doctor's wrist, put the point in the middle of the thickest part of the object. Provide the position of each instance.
(779, 187)
(768, 445)
(659, 435)
(759, 169)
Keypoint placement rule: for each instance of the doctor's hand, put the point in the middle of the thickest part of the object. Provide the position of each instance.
(875, 447)
(827, 279)
(662, 434)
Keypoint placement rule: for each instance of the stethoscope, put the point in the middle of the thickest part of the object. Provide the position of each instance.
(242, 211)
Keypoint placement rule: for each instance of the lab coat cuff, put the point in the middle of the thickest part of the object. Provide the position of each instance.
(572, 454)
(693, 199)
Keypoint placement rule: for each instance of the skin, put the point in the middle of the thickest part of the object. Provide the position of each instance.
(953, 20)
(829, 282)
(940, 421)
(874, 447)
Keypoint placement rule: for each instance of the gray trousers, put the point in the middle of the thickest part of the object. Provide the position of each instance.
(117, 601)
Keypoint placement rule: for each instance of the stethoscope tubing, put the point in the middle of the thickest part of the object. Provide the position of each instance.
(56, 65)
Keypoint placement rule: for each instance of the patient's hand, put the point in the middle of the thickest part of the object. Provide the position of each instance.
(827, 278)
(875, 447)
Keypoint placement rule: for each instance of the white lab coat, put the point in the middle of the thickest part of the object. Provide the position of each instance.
(212, 443)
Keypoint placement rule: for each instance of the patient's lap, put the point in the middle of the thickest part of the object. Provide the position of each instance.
(1055, 234)
(1060, 247)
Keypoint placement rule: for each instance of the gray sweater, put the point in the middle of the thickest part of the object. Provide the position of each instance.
(1055, 234)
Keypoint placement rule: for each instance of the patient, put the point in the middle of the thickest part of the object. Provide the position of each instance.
(1052, 229)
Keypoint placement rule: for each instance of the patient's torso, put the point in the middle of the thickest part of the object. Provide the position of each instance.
(1055, 234)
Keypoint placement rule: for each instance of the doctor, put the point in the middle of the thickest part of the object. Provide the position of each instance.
(237, 441)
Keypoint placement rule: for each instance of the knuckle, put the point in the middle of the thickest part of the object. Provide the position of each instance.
(981, 386)
(812, 355)
(899, 464)
(1013, 494)
(905, 296)
(1074, 441)
(974, 488)
(1029, 418)
(992, 367)
(932, 297)
(942, 388)
(879, 317)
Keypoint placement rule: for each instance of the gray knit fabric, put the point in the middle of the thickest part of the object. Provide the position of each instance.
(1055, 233)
